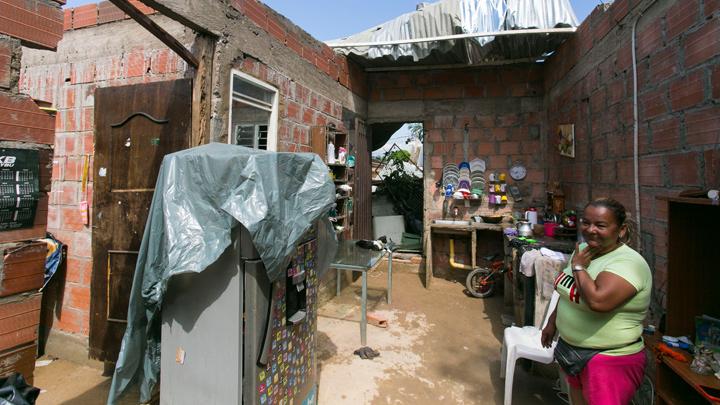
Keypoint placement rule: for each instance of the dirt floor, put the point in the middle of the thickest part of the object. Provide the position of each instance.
(441, 346)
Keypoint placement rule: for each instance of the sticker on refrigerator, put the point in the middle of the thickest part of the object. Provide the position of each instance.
(180, 358)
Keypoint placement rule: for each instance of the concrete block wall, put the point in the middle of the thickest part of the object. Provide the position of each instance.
(589, 83)
(492, 113)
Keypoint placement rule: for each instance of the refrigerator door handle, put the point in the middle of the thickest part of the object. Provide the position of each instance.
(265, 350)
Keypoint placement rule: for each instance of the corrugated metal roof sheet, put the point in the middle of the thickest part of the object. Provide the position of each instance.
(453, 17)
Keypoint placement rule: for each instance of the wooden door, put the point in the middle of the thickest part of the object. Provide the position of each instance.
(362, 228)
(135, 127)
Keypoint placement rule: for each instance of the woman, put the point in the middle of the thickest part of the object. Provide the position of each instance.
(604, 295)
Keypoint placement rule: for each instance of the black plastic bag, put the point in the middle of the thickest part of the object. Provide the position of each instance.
(15, 391)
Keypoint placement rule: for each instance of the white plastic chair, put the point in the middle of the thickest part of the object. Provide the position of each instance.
(524, 343)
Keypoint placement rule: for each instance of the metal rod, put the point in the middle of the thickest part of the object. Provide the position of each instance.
(337, 275)
(363, 322)
(458, 36)
(389, 295)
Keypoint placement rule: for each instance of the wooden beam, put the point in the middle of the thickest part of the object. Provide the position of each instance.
(156, 30)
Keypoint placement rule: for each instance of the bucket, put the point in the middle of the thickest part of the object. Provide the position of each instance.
(550, 228)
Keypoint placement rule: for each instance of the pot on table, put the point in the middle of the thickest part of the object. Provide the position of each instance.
(524, 229)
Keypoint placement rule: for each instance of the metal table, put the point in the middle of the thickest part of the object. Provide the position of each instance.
(351, 257)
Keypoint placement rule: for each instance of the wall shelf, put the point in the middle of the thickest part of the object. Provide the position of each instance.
(341, 174)
(691, 291)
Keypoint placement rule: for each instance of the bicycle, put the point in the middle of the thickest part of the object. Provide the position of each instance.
(481, 281)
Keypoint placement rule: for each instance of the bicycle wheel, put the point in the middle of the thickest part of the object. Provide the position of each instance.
(480, 282)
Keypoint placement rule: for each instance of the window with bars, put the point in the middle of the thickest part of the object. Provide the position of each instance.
(253, 113)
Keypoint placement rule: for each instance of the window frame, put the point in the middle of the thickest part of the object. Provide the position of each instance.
(272, 108)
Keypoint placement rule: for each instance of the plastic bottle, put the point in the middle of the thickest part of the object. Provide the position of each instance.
(331, 153)
(341, 155)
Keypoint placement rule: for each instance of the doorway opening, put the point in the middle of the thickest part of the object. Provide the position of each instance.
(397, 185)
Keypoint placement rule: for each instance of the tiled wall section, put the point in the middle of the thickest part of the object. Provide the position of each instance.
(678, 89)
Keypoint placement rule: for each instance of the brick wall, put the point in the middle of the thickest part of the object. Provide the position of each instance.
(301, 107)
(37, 23)
(69, 86)
(100, 13)
(492, 113)
(677, 65)
(337, 66)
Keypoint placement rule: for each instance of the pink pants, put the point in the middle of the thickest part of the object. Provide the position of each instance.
(610, 380)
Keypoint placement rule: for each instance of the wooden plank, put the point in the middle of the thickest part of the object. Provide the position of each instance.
(19, 320)
(23, 268)
(319, 142)
(19, 360)
(157, 31)
(202, 90)
(687, 200)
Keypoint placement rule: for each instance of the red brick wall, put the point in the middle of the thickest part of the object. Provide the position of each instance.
(35, 22)
(337, 66)
(301, 107)
(500, 131)
(100, 13)
(678, 120)
(70, 87)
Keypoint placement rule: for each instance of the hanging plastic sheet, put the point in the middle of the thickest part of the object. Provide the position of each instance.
(201, 194)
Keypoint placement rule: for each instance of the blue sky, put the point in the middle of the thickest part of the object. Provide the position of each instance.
(333, 19)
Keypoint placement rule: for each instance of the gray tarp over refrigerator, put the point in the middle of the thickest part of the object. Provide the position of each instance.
(200, 195)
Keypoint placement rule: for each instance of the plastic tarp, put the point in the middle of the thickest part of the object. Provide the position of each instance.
(200, 195)
(452, 17)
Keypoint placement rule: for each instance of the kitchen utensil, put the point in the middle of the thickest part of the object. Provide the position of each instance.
(493, 219)
(531, 216)
(550, 228)
(524, 229)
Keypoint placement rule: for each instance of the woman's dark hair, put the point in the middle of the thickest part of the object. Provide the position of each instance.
(617, 209)
(618, 212)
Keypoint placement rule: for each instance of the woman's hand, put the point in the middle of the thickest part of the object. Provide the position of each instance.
(548, 334)
(607, 291)
(583, 257)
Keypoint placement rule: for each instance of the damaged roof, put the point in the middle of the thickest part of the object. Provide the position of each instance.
(421, 37)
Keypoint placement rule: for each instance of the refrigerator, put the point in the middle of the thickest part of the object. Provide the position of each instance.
(230, 335)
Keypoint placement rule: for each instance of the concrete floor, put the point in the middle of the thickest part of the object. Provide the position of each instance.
(441, 346)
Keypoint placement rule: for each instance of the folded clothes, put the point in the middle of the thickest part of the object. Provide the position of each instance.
(552, 254)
